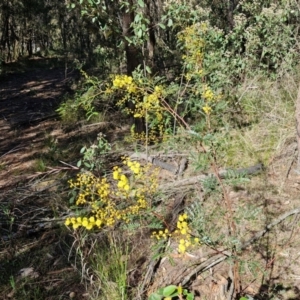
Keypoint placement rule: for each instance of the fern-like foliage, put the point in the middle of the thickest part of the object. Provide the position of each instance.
(198, 222)
(233, 177)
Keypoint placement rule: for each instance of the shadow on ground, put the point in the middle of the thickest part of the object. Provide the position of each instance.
(30, 92)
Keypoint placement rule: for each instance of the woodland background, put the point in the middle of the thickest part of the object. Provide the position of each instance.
(207, 91)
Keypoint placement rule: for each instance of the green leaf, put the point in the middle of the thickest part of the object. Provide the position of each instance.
(170, 22)
(87, 165)
(79, 163)
(148, 70)
(141, 3)
(169, 290)
(73, 5)
(128, 40)
(73, 197)
(244, 298)
(82, 150)
(137, 18)
(162, 26)
(155, 297)
(140, 33)
(190, 296)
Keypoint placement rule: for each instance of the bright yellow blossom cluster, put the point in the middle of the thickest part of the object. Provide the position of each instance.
(88, 223)
(161, 234)
(123, 182)
(182, 234)
(88, 184)
(209, 97)
(194, 45)
(193, 41)
(208, 94)
(134, 166)
(147, 103)
(109, 202)
(140, 174)
(150, 104)
(124, 81)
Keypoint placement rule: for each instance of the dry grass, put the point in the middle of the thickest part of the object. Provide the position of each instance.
(269, 109)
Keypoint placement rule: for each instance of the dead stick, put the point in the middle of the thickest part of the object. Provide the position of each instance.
(213, 261)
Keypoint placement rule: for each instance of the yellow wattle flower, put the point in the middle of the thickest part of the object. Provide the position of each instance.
(116, 175)
(181, 248)
(207, 109)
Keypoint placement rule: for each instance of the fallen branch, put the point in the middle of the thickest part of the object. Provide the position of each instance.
(155, 161)
(253, 170)
(183, 164)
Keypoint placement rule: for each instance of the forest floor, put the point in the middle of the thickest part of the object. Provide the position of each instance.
(30, 92)
(37, 155)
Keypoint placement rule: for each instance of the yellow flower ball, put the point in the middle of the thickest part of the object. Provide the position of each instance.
(207, 109)
(116, 175)
(183, 231)
(75, 226)
(67, 222)
(123, 178)
(181, 248)
(187, 243)
(85, 222)
(121, 184)
(89, 226)
(180, 218)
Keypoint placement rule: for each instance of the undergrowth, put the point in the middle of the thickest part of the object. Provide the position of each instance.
(191, 113)
(215, 111)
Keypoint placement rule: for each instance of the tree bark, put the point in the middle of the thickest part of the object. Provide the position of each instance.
(133, 60)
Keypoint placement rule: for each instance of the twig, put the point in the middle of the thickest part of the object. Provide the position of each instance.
(211, 262)
(73, 167)
(261, 233)
(221, 256)
(289, 169)
(155, 262)
(232, 285)
(12, 150)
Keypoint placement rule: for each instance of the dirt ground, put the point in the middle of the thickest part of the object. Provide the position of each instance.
(29, 95)
(30, 129)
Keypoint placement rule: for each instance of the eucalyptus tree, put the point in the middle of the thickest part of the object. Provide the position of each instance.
(29, 26)
(126, 25)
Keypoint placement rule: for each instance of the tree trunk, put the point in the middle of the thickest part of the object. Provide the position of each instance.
(150, 12)
(133, 60)
(230, 13)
